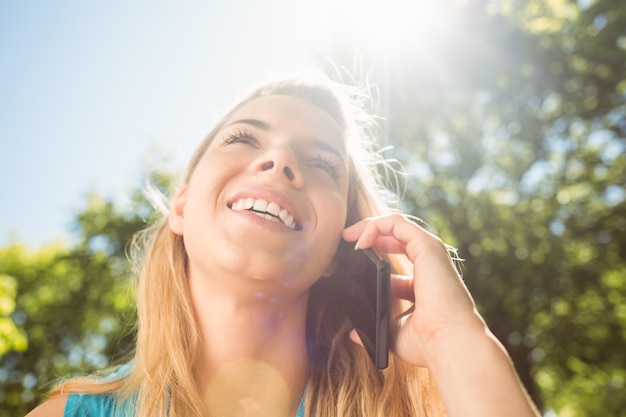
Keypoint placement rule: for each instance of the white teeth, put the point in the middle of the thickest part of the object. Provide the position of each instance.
(270, 211)
(260, 205)
(267, 216)
(286, 217)
(273, 208)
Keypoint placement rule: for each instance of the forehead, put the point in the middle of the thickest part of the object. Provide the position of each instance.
(291, 115)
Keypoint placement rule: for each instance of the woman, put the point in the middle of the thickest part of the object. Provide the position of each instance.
(239, 311)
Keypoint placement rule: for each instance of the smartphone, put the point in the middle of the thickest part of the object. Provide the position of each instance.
(368, 302)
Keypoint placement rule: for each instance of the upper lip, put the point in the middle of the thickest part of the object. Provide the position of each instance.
(270, 196)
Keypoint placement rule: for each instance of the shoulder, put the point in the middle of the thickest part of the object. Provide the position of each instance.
(54, 407)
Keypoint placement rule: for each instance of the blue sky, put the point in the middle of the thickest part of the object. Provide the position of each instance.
(90, 89)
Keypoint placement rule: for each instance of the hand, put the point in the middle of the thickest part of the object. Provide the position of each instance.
(443, 306)
(444, 332)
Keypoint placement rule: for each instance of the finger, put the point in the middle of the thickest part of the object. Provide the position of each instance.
(354, 336)
(402, 287)
(366, 232)
(374, 238)
(403, 230)
(352, 233)
(386, 244)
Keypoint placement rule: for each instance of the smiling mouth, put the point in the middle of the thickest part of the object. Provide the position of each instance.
(267, 210)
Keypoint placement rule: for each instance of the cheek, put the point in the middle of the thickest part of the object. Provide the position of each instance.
(332, 212)
(213, 172)
(340, 202)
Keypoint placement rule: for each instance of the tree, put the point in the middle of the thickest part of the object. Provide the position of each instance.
(513, 140)
(75, 303)
(12, 338)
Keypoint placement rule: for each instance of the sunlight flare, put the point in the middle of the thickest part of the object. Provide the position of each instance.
(393, 25)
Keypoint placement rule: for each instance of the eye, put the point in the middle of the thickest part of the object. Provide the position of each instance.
(327, 165)
(243, 137)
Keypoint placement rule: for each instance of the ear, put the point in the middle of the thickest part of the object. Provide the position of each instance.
(176, 216)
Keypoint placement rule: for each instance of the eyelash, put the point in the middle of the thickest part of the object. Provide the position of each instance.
(326, 164)
(242, 136)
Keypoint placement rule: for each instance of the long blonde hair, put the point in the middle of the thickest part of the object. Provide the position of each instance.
(343, 382)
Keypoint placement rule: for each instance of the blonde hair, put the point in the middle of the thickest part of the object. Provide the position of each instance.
(343, 382)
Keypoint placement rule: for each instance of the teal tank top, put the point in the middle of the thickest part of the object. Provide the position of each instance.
(103, 405)
(93, 405)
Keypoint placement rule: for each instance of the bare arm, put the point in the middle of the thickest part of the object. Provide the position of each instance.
(476, 376)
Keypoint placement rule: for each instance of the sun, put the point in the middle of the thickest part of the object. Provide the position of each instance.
(417, 26)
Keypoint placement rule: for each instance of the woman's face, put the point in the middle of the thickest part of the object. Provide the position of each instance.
(267, 201)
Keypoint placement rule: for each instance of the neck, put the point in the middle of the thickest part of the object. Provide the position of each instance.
(253, 359)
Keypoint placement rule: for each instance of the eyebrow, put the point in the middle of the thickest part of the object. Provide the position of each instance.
(317, 143)
(252, 122)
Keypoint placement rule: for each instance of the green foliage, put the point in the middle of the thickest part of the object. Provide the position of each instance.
(11, 337)
(74, 303)
(67, 310)
(513, 139)
(73, 306)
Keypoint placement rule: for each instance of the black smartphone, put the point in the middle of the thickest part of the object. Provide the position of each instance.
(368, 302)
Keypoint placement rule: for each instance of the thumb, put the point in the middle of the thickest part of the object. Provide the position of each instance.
(354, 336)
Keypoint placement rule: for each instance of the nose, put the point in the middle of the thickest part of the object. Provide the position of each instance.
(282, 162)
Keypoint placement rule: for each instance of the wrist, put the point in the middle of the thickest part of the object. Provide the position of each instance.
(475, 374)
(460, 340)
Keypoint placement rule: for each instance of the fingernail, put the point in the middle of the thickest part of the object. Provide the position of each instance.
(356, 246)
